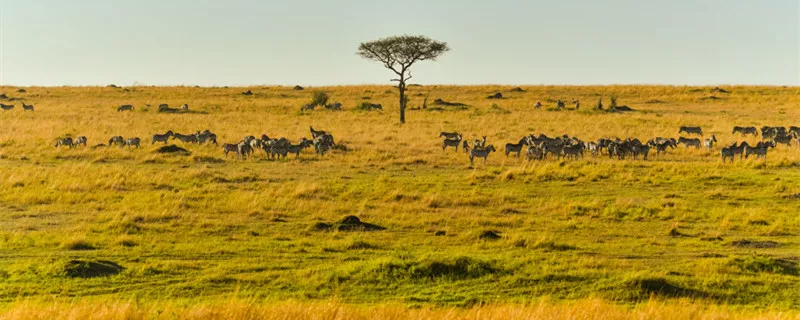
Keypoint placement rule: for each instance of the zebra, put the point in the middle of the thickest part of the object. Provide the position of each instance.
(745, 131)
(534, 152)
(691, 130)
(125, 107)
(323, 143)
(191, 138)
(465, 146)
(334, 106)
(640, 149)
(307, 107)
(243, 148)
(65, 142)
(784, 139)
(131, 142)
(593, 148)
(709, 143)
(573, 150)
(450, 135)
(727, 153)
(119, 140)
(760, 151)
(162, 137)
(479, 144)
(6, 107)
(316, 133)
(661, 147)
(577, 104)
(739, 149)
(795, 130)
(516, 147)
(451, 143)
(481, 153)
(80, 140)
(560, 105)
(537, 105)
(27, 107)
(185, 107)
(203, 137)
(551, 148)
(297, 148)
(689, 142)
(229, 147)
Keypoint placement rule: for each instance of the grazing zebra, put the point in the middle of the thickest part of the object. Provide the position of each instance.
(516, 147)
(450, 143)
(450, 135)
(26, 107)
(64, 142)
(661, 147)
(125, 107)
(727, 153)
(190, 138)
(307, 107)
(745, 131)
(538, 105)
(119, 140)
(243, 148)
(323, 143)
(772, 132)
(6, 107)
(709, 143)
(691, 130)
(593, 148)
(575, 151)
(297, 148)
(229, 147)
(133, 142)
(80, 140)
(689, 142)
(316, 133)
(163, 106)
(640, 149)
(784, 139)
(739, 149)
(551, 148)
(760, 151)
(162, 137)
(795, 130)
(482, 153)
(560, 105)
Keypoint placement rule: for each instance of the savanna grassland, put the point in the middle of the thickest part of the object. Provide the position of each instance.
(131, 233)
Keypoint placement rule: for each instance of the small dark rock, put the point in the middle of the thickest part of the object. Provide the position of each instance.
(489, 235)
(440, 233)
(248, 93)
(298, 88)
(21, 90)
(517, 89)
(495, 96)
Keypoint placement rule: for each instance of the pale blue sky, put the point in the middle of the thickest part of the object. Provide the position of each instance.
(313, 42)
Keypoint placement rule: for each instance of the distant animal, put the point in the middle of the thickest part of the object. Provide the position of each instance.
(451, 143)
(162, 137)
(118, 140)
(80, 140)
(784, 139)
(334, 106)
(133, 142)
(709, 143)
(640, 149)
(691, 130)
(6, 107)
(515, 147)
(185, 107)
(479, 144)
(206, 136)
(229, 147)
(307, 107)
(27, 107)
(481, 153)
(163, 106)
(316, 133)
(560, 105)
(575, 151)
(297, 148)
(727, 153)
(760, 150)
(125, 107)
(186, 138)
(465, 146)
(450, 135)
(64, 142)
(745, 131)
(537, 105)
(689, 142)
(577, 104)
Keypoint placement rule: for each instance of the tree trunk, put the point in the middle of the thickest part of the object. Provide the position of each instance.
(402, 87)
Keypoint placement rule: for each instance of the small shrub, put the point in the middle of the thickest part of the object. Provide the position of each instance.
(319, 98)
(78, 245)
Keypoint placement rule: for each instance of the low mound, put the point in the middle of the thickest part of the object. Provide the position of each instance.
(298, 88)
(720, 90)
(440, 102)
(517, 89)
(489, 235)
(349, 223)
(661, 287)
(745, 243)
(21, 90)
(91, 269)
(620, 109)
(248, 93)
(172, 149)
(495, 96)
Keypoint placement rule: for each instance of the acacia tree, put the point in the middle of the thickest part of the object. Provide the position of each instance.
(398, 54)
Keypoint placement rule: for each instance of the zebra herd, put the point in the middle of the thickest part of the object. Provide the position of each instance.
(9, 107)
(275, 148)
(538, 147)
(161, 107)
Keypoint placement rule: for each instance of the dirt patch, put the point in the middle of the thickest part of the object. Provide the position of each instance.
(173, 149)
(746, 243)
(91, 269)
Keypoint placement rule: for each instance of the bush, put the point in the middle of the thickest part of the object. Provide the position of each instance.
(320, 98)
